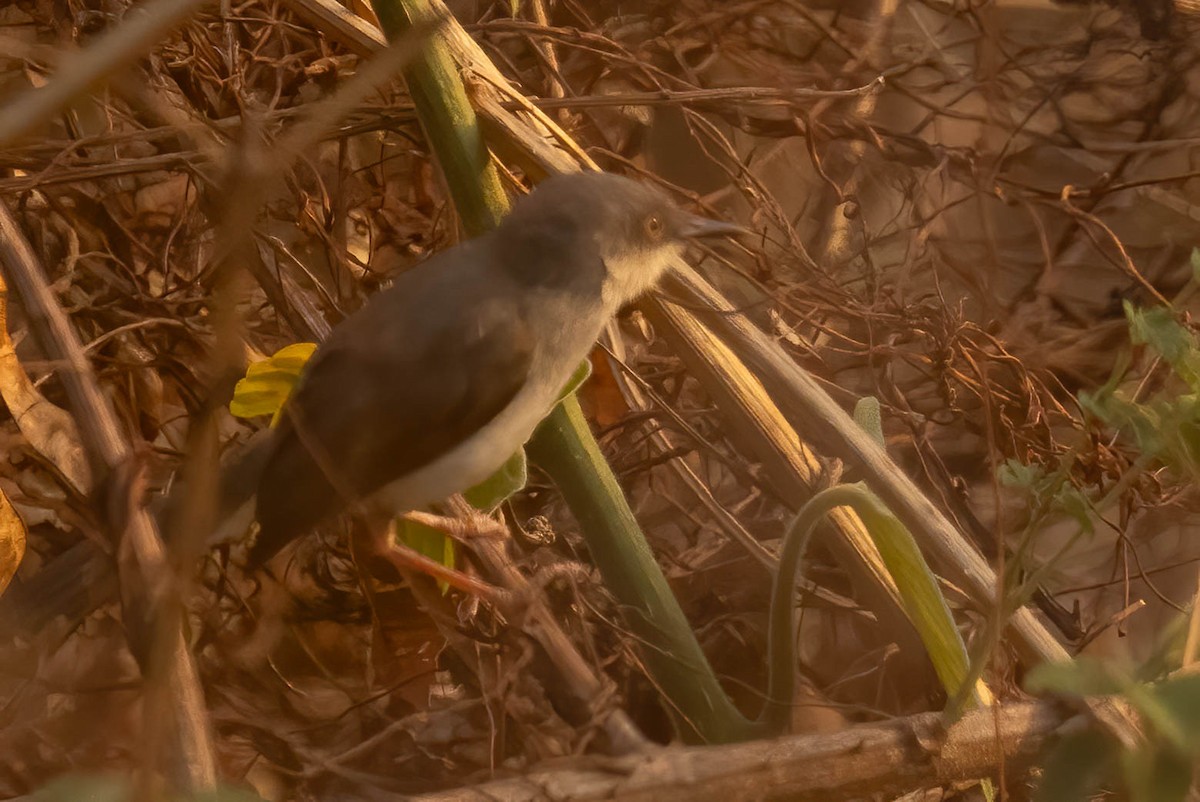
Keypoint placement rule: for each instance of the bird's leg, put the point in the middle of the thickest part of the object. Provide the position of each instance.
(377, 542)
(481, 533)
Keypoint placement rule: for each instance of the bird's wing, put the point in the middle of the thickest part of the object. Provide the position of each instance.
(410, 376)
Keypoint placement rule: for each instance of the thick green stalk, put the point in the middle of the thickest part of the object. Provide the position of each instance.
(565, 448)
(448, 119)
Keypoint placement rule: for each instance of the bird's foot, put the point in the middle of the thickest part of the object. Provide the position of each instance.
(407, 560)
(377, 547)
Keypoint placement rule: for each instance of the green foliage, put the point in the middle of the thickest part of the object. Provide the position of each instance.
(1159, 329)
(1083, 677)
(428, 542)
(492, 491)
(1165, 427)
(485, 496)
(1048, 492)
(577, 379)
(920, 595)
(1158, 771)
(923, 599)
(94, 788)
(1077, 767)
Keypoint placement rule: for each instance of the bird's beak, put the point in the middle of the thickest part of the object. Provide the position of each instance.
(694, 226)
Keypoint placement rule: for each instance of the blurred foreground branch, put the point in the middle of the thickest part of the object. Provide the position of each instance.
(149, 575)
(889, 758)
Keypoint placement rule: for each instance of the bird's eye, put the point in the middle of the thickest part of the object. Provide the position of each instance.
(654, 226)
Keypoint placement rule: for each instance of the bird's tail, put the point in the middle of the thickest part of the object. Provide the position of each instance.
(239, 479)
(237, 488)
(82, 578)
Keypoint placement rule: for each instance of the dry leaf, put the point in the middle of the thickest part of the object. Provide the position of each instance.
(49, 429)
(12, 541)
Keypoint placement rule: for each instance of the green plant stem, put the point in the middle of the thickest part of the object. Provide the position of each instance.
(565, 448)
(448, 119)
(781, 626)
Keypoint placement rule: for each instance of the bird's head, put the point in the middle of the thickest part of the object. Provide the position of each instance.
(634, 229)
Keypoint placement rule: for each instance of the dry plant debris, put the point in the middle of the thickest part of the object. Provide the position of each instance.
(955, 240)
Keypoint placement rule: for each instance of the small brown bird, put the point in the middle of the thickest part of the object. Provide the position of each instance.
(439, 379)
(434, 382)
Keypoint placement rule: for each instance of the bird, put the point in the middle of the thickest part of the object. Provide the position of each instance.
(432, 384)
(436, 381)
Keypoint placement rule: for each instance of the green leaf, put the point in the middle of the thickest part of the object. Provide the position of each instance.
(270, 381)
(577, 379)
(430, 543)
(1084, 676)
(1018, 475)
(1050, 490)
(1181, 696)
(1196, 264)
(1143, 421)
(514, 473)
(1160, 770)
(1170, 709)
(1154, 774)
(111, 788)
(1072, 502)
(512, 476)
(1154, 709)
(923, 600)
(1076, 768)
(869, 418)
(1159, 328)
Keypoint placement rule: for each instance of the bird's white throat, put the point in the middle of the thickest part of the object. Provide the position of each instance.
(632, 274)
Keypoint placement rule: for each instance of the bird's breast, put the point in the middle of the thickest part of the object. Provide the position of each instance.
(567, 329)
